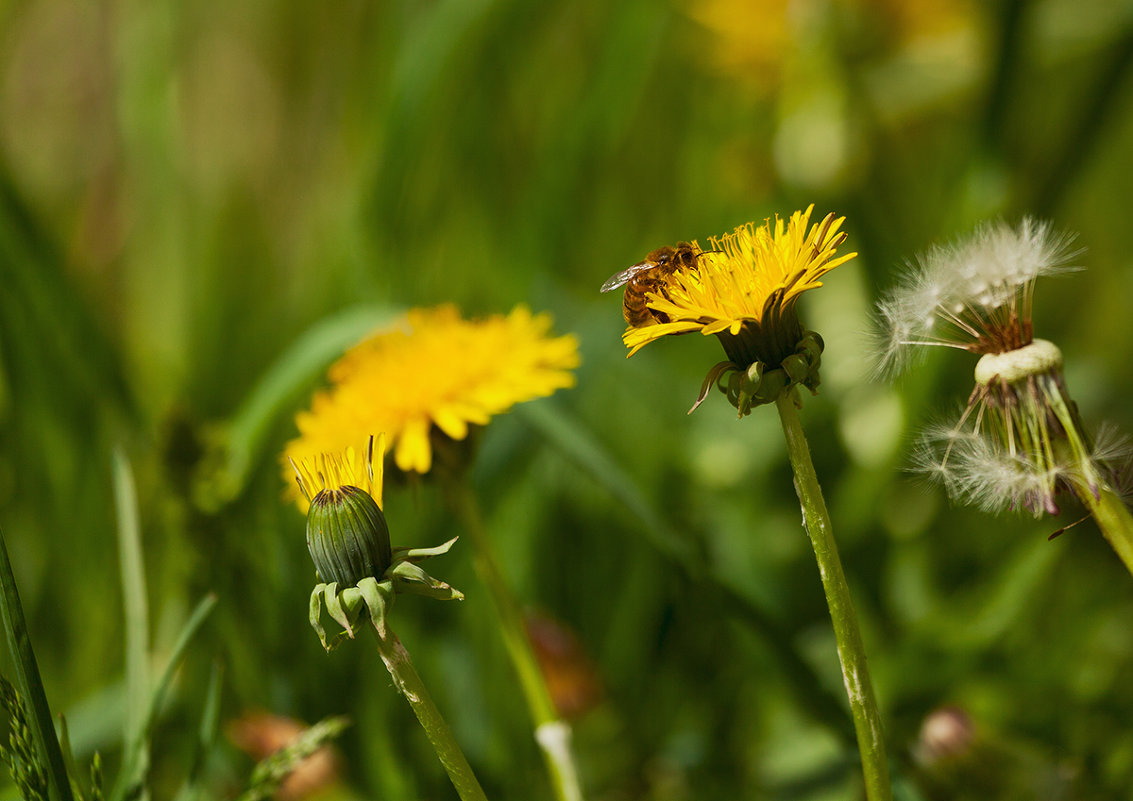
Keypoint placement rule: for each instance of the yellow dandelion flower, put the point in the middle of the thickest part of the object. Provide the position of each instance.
(348, 467)
(438, 371)
(744, 288)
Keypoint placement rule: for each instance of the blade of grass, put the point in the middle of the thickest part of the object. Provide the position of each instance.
(34, 275)
(30, 683)
(206, 737)
(996, 103)
(132, 567)
(127, 786)
(69, 757)
(188, 631)
(1098, 108)
(582, 448)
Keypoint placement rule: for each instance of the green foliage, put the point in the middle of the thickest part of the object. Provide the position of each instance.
(201, 205)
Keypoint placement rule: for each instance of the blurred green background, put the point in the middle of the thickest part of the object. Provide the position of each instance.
(190, 192)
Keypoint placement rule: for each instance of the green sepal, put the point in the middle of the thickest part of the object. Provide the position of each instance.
(378, 596)
(417, 554)
(410, 578)
(316, 613)
(439, 591)
(342, 607)
(756, 385)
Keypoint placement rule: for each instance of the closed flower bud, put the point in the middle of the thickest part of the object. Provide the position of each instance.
(348, 539)
(347, 536)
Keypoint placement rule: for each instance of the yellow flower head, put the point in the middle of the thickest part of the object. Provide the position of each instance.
(348, 467)
(744, 288)
(434, 370)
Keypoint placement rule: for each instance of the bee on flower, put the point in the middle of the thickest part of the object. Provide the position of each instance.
(743, 290)
(1019, 443)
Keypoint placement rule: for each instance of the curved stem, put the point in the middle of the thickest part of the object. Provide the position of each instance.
(551, 732)
(409, 684)
(851, 651)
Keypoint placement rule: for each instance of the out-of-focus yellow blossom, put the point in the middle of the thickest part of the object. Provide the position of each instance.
(434, 370)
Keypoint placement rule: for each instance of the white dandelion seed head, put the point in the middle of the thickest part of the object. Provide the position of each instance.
(927, 458)
(890, 335)
(971, 278)
(975, 469)
(1011, 257)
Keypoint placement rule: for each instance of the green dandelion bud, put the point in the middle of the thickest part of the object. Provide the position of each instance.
(347, 536)
(359, 573)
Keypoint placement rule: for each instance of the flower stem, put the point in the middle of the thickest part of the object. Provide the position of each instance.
(551, 732)
(409, 684)
(851, 651)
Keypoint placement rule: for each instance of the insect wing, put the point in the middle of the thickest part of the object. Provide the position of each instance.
(621, 279)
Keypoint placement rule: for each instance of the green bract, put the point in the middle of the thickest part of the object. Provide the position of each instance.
(375, 594)
(756, 384)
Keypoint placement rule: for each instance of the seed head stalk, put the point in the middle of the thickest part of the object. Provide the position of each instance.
(551, 732)
(851, 651)
(1093, 490)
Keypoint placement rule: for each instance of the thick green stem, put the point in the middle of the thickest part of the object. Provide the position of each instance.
(851, 651)
(551, 732)
(409, 684)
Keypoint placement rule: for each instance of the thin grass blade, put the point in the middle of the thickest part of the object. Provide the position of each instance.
(129, 784)
(132, 567)
(206, 738)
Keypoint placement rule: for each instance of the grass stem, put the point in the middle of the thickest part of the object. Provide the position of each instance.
(551, 732)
